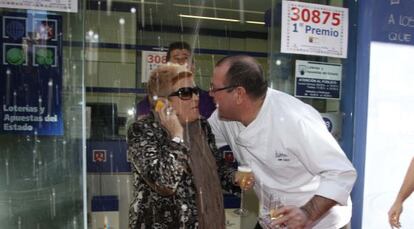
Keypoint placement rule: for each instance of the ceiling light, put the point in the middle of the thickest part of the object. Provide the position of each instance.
(149, 3)
(219, 19)
(278, 62)
(218, 8)
(255, 22)
(209, 18)
(131, 112)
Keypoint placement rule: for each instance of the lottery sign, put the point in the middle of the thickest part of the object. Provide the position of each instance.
(150, 61)
(313, 29)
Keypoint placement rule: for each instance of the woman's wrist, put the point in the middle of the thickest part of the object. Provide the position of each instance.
(177, 139)
(399, 200)
(178, 135)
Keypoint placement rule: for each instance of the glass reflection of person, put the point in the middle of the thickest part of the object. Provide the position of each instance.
(175, 164)
(180, 52)
(406, 189)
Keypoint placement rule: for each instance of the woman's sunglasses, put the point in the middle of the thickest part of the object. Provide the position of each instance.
(186, 93)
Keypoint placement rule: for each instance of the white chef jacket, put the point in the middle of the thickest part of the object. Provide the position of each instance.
(292, 154)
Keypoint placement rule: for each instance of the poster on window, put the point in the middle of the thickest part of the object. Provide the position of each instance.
(49, 5)
(150, 61)
(31, 74)
(314, 29)
(318, 80)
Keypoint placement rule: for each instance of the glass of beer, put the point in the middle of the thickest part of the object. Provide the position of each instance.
(269, 213)
(245, 174)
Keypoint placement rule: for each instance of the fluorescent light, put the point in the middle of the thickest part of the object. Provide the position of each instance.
(209, 18)
(219, 19)
(255, 22)
(218, 8)
(144, 2)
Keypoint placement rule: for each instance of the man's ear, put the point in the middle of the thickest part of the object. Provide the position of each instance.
(240, 94)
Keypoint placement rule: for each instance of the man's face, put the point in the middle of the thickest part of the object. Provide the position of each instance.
(180, 56)
(224, 99)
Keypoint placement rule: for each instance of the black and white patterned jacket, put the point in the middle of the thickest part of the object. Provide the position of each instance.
(164, 195)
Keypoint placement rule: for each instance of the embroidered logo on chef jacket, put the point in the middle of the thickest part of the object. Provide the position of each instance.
(280, 156)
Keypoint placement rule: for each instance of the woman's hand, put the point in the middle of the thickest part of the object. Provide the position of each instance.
(394, 214)
(170, 121)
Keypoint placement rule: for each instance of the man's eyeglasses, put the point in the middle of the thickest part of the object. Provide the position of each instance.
(186, 93)
(214, 90)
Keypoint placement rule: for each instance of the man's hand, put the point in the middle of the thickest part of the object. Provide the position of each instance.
(303, 217)
(291, 217)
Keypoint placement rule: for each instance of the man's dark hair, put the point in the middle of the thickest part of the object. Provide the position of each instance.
(246, 72)
(177, 45)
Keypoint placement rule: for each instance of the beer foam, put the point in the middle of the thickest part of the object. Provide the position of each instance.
(244, 169)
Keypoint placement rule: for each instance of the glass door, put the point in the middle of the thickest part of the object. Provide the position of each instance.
(41, 135)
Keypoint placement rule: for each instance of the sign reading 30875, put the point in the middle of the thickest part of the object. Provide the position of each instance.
(314, 29)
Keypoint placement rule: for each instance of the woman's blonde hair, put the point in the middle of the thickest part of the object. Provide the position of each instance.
(163, 78)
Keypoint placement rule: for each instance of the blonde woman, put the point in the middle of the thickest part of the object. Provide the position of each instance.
(175, 164)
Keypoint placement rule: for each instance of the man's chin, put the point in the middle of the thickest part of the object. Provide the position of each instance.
(222, 117)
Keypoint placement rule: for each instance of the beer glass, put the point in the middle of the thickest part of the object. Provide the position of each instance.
(245, 173)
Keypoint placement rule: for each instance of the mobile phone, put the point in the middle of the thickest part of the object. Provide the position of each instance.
(159, 105)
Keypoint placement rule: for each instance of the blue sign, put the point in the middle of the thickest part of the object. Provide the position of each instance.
(393, 21)
(31, 74)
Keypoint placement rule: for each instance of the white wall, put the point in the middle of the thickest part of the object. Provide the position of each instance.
(390, 133)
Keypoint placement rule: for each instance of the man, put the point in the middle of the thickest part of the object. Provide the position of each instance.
(180, 53)
(285, 142)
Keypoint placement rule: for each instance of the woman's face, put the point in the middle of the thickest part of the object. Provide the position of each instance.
(186, 109)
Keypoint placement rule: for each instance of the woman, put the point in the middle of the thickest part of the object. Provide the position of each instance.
(405, 191)
(174, 159)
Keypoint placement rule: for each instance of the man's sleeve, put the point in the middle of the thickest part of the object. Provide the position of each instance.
(215, 127)
(319, 152)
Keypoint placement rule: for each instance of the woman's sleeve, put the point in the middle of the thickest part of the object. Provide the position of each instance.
(158, 160)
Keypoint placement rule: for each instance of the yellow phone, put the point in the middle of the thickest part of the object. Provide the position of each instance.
(159, 105)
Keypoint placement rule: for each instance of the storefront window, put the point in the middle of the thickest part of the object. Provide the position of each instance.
(41, 144)
(99, 59)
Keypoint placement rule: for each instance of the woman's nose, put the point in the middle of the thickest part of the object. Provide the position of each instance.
(196, 96)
